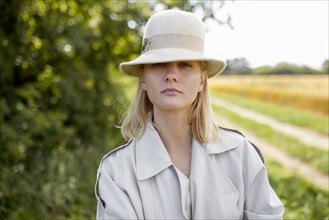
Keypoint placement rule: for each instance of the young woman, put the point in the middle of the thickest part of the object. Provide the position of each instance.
(178, 164)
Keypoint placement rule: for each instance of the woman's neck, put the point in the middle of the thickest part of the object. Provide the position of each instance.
(176, 135)
(173, 127)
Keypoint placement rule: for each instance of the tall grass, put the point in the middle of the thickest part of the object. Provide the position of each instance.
(286, 114)
(309, 92)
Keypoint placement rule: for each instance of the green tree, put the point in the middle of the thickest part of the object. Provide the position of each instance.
(59, 100)
(61, 97)
(262, 70)
(325, 67)
(285, 68)
(237, 66)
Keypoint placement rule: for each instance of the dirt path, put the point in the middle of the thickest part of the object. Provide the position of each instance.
(304, 170)
(305, 136)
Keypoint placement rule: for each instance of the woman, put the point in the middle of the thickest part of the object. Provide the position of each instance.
(178, 164)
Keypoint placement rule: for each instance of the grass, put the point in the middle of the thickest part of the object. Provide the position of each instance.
(313, 85)
(285, 114)
(317, 158)
(309, 92)
(302, 200)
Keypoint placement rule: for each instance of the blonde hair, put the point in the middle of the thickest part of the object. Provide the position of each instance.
(204, 129)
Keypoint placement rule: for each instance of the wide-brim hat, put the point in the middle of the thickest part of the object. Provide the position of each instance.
(169, 36)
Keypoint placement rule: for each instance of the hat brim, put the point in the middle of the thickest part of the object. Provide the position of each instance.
(134, 67)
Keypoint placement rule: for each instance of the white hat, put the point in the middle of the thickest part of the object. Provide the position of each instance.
(173, 35)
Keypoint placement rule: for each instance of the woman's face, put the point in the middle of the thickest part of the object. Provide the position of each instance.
(173, 86)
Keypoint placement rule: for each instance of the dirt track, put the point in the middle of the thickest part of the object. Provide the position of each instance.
(303, 169)
(305, 136)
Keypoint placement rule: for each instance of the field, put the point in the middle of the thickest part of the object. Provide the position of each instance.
(308, 92)
(300, 101)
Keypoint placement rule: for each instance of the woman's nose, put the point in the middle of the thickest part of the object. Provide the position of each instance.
(171, 73)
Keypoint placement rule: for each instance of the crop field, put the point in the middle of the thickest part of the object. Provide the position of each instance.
(300, 101)
(308, 92)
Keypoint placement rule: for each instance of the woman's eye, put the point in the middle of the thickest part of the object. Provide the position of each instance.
(185, 65)
(158, 64)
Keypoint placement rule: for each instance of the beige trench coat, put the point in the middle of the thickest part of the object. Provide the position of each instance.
(227, 181)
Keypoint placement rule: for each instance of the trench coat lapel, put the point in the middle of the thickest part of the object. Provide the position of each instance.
(213, 194)
(151, 155)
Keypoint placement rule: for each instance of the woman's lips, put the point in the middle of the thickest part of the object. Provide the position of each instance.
(170, 91)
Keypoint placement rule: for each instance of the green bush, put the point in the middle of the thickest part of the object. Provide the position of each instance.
(60, 101)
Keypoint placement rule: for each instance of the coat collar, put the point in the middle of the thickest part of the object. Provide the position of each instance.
(152, 157)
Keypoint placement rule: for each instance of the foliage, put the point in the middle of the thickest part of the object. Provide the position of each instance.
(241, 66)
(61, 96)
(301, 199)
(285, 68)
(237, 66)
(325, 66)
(208, 10)
(59, 101)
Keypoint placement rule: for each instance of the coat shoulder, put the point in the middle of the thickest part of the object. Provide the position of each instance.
(239, 136)
(116, 155)
(124, 147)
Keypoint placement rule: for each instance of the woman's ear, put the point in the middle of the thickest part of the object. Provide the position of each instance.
(142, 82)
(202, 82)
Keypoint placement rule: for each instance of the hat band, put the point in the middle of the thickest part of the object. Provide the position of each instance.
(166, 41)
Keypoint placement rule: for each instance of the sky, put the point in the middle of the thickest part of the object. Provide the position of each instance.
(269, 32)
